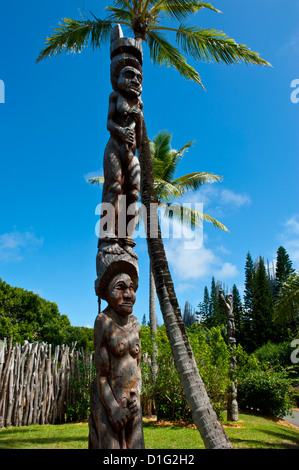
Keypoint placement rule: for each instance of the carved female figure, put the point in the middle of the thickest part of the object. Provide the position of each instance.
(116, 419)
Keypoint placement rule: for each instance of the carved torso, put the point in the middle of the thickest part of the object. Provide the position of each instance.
(120, 353)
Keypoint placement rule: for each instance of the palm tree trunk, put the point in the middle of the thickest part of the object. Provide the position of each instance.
(203, 414)
(153, 323)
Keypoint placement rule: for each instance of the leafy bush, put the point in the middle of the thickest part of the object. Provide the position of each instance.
(212, 357)
(268, 391)
(78, 407)
(275, 354)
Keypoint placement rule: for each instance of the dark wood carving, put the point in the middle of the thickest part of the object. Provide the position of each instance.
(232, 404)
(116, 421)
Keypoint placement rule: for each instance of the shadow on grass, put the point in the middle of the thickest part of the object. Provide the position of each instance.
(252, 444)
(289, 438)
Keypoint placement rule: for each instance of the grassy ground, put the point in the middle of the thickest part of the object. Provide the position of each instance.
(250, 432)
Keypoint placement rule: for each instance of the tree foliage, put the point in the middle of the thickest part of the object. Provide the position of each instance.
(145, 21)
(24, 315)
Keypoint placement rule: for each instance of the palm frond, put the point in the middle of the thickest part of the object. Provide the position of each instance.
(193, 181)
(185, 148)
(72, 35)
(182, 8)
(124, 4)
(165, 191)
(174, 159)
(98, 180)
(161, 153)
(120, 14)
(165, 159)
(189, 216)
(163, 53)
(208, 45)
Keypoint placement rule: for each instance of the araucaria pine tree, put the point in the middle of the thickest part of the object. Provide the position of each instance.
(284, 268)
(262, 308)
(238, 312)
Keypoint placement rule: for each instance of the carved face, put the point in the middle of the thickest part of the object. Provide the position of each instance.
(121, 295)
(230, 298)
(130, 81)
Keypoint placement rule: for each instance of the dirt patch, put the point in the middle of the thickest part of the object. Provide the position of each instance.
(164, 423)
(282, 422)
(234, 425)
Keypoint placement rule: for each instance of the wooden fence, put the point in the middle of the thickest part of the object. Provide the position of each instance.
(37, 385)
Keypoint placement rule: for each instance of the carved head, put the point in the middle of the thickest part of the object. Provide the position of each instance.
(126, 68)
(121, 294)
(125, 53)
(229, 298)
(130, 81)
(110, 266)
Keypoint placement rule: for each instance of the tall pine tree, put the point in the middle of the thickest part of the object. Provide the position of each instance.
(238, 312)
(284, 268)
(248, 289)
(204, 307)
(248, 301)
(262, 308)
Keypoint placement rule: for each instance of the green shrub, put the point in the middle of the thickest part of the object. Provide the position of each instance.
(268, 391)
(212, 357)
(78, 406)
(275, 354)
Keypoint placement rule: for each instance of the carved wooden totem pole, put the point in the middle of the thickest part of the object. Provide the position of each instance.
(116, 420)
(232, 404)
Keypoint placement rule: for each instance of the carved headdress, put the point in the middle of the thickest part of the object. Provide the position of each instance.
(123, 52)
(109, 265)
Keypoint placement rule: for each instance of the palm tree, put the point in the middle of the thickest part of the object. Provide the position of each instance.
(165, 162)
(143, 18)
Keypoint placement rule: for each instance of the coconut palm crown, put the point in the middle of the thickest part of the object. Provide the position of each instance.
(143, 19)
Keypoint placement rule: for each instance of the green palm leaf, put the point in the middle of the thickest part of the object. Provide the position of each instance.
(165, 159)
(98, 180)
(189, 216)
(165, 191)
(73, 35)
(120, 14)
(163, 53)
(182, 8)
(193, 181)
(209, 44)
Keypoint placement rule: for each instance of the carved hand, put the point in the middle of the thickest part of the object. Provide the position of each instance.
(119, 416)
(133, 404)
(128, 135)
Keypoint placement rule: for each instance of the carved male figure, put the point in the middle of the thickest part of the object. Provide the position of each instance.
(229, 307)
(116, 419)
(121, 166)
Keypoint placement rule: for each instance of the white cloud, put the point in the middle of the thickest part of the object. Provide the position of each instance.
(290, 239)
(227, 271)
(14, 244)
(292, 225)
(228, 197)
(184, 286)
(199, 263)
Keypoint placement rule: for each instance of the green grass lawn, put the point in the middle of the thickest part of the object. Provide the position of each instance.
(252, 432)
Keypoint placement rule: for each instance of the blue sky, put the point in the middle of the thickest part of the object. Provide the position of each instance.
(53, 135)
